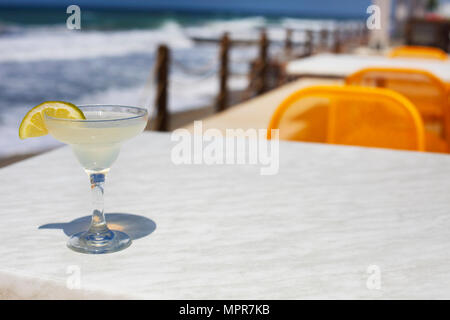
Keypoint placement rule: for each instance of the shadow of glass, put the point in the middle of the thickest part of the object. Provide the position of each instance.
(133, 225)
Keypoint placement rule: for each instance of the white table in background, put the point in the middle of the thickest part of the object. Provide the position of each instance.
(330, 224)
(342, 65)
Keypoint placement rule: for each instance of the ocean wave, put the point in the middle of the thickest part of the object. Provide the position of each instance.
(60, 43)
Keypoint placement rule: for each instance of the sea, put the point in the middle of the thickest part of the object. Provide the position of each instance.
(110, 59)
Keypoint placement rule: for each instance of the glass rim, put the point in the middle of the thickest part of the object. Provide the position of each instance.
(143, 111)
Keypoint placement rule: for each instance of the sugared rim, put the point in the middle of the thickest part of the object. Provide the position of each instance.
(141, 112)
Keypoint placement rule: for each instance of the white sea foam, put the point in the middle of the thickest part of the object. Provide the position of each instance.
(59, 43)
(241, 29)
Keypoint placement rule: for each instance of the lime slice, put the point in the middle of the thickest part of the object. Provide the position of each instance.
(33, 124)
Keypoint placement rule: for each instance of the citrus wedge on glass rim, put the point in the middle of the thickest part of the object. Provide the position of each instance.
(33, 124)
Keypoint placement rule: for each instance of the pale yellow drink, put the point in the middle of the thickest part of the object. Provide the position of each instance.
(96, 141)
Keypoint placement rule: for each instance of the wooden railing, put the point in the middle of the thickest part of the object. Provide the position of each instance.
(265, 72)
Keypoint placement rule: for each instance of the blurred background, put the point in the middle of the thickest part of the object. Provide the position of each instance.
(110, 59)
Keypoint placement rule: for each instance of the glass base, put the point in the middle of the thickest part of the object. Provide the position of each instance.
(94, 243)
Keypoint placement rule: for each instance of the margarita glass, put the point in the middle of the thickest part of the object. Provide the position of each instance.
(96, 142)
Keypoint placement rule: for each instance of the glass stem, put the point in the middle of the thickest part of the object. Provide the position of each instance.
(98, 223)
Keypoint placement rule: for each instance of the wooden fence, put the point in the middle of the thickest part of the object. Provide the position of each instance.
(265, 72)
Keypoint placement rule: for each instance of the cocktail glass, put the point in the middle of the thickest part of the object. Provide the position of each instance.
(96, 142)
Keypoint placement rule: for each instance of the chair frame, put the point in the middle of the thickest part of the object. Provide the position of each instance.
(438, 54)
(434, 79)
(324, 90)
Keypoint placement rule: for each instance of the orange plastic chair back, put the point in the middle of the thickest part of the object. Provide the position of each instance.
(427, 92)
(418, 52)
(350, 115)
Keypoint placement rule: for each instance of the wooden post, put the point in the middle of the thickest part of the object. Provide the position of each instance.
(352, 35)
(360, 35)
(364, 35)
(324, 39)
(309, 43)
(288, 43)
(222, 98)
(162, 76)
(262, 65)
(408, 32)
(356, 35)
(337, 47)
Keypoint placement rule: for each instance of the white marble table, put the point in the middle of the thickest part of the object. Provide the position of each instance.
(342, 65)
(312, 231)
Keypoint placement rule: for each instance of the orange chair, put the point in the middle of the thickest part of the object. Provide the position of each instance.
(418, 52)
(349, 115)
(427, 92)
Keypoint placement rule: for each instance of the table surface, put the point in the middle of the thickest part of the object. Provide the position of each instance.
(342, 65)
(333, 218)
